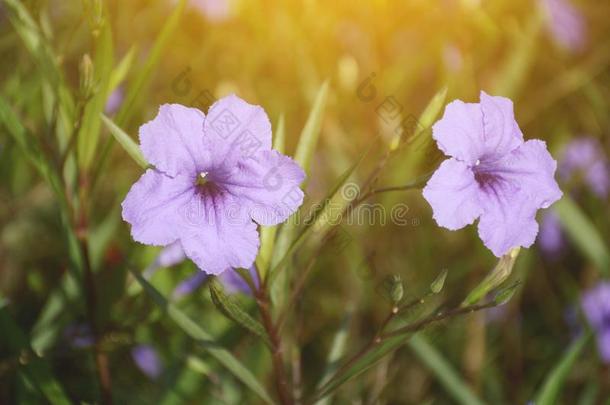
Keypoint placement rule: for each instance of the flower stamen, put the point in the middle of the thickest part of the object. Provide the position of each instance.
(201, 179)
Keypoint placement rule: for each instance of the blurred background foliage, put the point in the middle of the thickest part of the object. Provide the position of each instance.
(277, 54)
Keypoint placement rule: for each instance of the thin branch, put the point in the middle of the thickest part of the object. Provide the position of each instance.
(414, 327)
(281, 381)
(380, 337)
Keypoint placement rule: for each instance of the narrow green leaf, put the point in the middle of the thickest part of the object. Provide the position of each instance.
(438, 284)
(583, 233)
(494, 279)
(30, 148)
(55, 90)
(199, 366)
(334, 355)
(549, 392)
(279, 140)
(446, 374)
(34, 39)
(364, 361)
(311, 132)
(195, 331)
(360, 366)
(34, 369)
(434, 108)
(230, 308)
(101, 235)
(287, 243)
(120, 72)
(55, 314)
(511, 75)
(126, 142)
(89, 133)
(136, 90)
(416, 150)
(505, 295)
(589, 394)
(268, 233)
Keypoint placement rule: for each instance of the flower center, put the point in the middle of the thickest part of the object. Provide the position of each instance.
(201, 179)
(483, 176)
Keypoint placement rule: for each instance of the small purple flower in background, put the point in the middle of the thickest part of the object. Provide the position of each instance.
(492, 174)
(171, 255)
(584, 157)
(231, 281)
(550, 238)
(572, 320)
(596, 306)
(234, 283)
(147, 360)
(192, 283)
(79, 336)
(114, 101)
(214, 179)
(214, 10)
(566, 24)
(452, 58)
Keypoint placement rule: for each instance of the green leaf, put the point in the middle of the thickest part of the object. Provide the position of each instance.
(120, 72)
(446, 374)
(195, 331)
(142, 77)
(434, 108)
(438, 284)
(334, 355)
(365, 360)
(268, 233)
(34, 40)
(505, 295)
(89, 133)
(311, 132)
(360, 366)
(55, 314)
(583, 233)
(33, 369)
(101, 235)
(416, 151)
(494, 279)
(126, 142)
(31, 149)
(54, 89)
(512, 74)
(589, 394)
(286, 245)
(549, 393)
(279, 140)
(229, 307)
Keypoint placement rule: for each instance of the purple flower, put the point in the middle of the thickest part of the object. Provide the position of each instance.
(550, 238)
(79, 336)
(214, 10)
(214, 177)
(147, 360)
(492, 174)
(234, 283)
(231, 281)
(585, 157)
(452, 58)
(596, 306)
(566, 24)
(114, 101)
(192, 283)
(171, 255)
